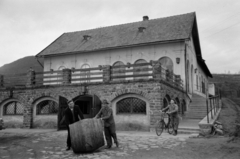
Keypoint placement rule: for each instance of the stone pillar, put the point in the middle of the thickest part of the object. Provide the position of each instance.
(67, 76)
(157, 69)
(1, 80)
(27, 114)
(178, 80)
(30, 78)
(106, 73)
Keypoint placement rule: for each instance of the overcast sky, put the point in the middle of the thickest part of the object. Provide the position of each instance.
(28, 26)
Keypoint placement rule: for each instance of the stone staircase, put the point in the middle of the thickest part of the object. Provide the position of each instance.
(197, 108)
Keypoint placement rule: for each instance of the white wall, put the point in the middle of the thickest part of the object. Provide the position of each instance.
(109, 57)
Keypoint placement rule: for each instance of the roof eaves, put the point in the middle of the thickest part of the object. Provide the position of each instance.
(119, 47)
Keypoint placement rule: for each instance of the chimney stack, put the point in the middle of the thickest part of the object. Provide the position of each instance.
(145, 18)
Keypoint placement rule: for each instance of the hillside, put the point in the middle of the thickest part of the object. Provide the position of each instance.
(229, 84)
(21, 66)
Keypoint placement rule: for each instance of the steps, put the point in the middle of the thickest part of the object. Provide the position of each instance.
(197, 108)
(188, 131)
(188, 126)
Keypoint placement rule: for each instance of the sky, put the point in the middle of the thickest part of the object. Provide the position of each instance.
(28, 26)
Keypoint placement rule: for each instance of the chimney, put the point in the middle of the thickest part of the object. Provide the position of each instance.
(145, 18)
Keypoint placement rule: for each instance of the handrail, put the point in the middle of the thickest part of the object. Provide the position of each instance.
(212, 104)
(96, 74)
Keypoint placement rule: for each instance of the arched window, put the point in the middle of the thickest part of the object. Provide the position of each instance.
(167, 63)
(166, 100)
(60, 74)
(184, 107)
(85, 74)
(131, 105)
(119, 70)
(47, 107)
(140, 69)
(13, 108)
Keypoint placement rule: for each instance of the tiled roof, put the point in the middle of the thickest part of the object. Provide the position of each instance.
(157, 30)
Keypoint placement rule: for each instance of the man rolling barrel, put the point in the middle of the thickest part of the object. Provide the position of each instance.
(106, 114)
(72, 114)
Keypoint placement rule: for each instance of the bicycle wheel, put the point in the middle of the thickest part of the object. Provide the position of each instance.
(159, 128)
(170, 128)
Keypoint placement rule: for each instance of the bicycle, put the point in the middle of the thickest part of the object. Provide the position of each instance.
(164, 123)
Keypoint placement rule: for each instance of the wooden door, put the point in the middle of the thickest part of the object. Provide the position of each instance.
(96, 105)
(62, 106)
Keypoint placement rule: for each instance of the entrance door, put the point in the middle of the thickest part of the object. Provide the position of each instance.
(89, 105)
(62, 106)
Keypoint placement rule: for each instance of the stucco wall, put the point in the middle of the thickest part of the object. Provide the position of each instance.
(131, 55)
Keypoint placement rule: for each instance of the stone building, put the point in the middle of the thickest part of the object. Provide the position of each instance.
(138, 67)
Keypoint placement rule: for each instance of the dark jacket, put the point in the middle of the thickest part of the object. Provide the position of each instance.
(106, 114)
(73, 117)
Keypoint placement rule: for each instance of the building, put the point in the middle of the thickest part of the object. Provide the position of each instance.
(171, 41)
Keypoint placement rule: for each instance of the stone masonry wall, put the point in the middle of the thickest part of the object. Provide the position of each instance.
(152, 90)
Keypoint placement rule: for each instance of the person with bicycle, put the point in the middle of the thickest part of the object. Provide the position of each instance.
(172, 110)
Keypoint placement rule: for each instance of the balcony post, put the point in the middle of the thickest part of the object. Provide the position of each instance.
(106, 73)
(157, 69)
(67, 76)
(31, 78)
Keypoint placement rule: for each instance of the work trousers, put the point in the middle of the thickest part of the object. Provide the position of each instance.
(68, 137)
(174, 122)
(110, 132)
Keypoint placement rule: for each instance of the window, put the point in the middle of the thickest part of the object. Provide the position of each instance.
(167, 63)
(140, 69)
(47, 107)
(131, 106)
(85, 74)
(13, 108)
(119, 70)
(60, 74)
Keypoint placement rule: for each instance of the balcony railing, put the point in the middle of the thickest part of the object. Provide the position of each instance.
(103, 73)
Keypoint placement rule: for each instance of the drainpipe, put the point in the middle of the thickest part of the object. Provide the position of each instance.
(39, 62)
(185, 60)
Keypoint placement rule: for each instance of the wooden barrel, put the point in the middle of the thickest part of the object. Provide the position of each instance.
(86, 135)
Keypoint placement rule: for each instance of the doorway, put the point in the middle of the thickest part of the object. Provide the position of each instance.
(88, 104)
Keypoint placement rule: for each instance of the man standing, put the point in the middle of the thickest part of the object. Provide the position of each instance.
(173, 112)
(106, 114)
(72, 114)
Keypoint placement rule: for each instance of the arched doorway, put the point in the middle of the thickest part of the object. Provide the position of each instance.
(166, 100)
(89, 105)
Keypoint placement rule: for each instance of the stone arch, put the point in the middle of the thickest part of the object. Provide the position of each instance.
(167, 63)
(4, 102)
(134, 121)
(183, 107)
(177, 101)
(45, 121)
(166, 100)
(11, 120)
(121, 92)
